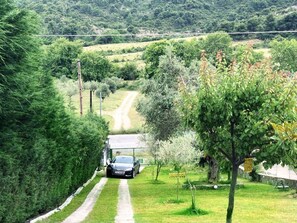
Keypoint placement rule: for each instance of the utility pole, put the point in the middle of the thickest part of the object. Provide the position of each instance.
(100, 103)
(80, 87)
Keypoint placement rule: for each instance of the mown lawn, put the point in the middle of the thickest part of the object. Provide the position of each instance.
(255, 203)
(105, 208)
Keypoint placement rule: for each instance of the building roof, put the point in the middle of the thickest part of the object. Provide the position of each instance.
(128, 141)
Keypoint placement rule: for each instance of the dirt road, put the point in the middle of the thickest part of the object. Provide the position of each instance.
(121, 114)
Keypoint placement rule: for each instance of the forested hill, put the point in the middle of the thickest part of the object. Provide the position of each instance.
(99, 16)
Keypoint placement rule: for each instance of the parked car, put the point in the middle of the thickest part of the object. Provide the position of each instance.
(126, 166)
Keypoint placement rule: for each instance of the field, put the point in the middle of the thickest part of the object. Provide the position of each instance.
(109, 105)
(254, 203)
(122, 53)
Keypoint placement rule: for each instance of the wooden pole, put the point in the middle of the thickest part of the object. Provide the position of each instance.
(100, 98)
(80, 87)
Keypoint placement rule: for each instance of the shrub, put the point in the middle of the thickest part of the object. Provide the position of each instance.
(128, 72)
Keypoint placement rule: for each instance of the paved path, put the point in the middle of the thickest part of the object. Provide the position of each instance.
(82, 212)
(121, 114)
(125, 211)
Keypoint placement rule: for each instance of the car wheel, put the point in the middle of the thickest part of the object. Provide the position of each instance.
(138, 171)
(108, 174)
(133, 174)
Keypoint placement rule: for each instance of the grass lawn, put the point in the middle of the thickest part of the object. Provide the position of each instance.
(76, 202)
(255, 203)
(105, 208)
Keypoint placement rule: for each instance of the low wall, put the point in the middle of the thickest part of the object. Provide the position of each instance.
(268, 179)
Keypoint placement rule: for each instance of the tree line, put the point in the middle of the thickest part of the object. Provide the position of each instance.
(46, 152)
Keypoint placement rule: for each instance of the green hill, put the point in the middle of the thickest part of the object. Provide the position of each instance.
(143, 16)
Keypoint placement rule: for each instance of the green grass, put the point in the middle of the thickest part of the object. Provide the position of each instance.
(109, 105)
(105, 208)
(76, 202)
(266, 52)
(117, 46)
(254, 203)
(126, 56)
(121, 46)
(140, 64)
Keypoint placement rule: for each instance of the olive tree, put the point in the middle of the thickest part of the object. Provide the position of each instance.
(179, 150)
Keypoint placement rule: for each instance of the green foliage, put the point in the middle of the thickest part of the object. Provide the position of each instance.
(217, 42)
(232, 110)
(61, 57)
(284, 54)
(103, 88)
(110, 36)
(178, 151)
(151, 57)
(111, 83)
(158, 107)
(239, 54)
(114, 17)
(46, 153)
(128, 72)
(94, 66)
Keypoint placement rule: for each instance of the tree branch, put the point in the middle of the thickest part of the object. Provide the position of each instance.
(225, 154)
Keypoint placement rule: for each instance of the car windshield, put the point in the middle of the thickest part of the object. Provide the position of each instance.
(123, 159)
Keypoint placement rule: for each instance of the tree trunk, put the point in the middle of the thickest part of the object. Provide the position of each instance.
(91, 101)
(159, 165)
(232, 194)
(213, 171)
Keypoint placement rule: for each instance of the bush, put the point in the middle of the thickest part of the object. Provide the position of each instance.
(128, 72)
(104, 89)
(111, 83)
(134, 85)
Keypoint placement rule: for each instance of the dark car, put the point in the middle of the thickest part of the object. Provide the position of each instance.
(126, 166)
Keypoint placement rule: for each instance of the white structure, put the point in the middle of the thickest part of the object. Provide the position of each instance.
(279, 171)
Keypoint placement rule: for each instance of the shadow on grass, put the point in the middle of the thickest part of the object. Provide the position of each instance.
(173, 201)
(192, 212)
(157, 182)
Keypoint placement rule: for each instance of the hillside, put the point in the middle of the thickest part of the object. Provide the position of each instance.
(134, 16)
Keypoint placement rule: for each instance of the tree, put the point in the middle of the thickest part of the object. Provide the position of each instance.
(95, 67)
(286, 136)
(179, 150)
(103, 91)
(284, 54)
(232, 111)
(151, 57)
(158, 107)
(128, 72)
(61, 57)
(216, 42)
(46, 153)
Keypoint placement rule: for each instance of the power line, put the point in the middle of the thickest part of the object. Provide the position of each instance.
(163, 34)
